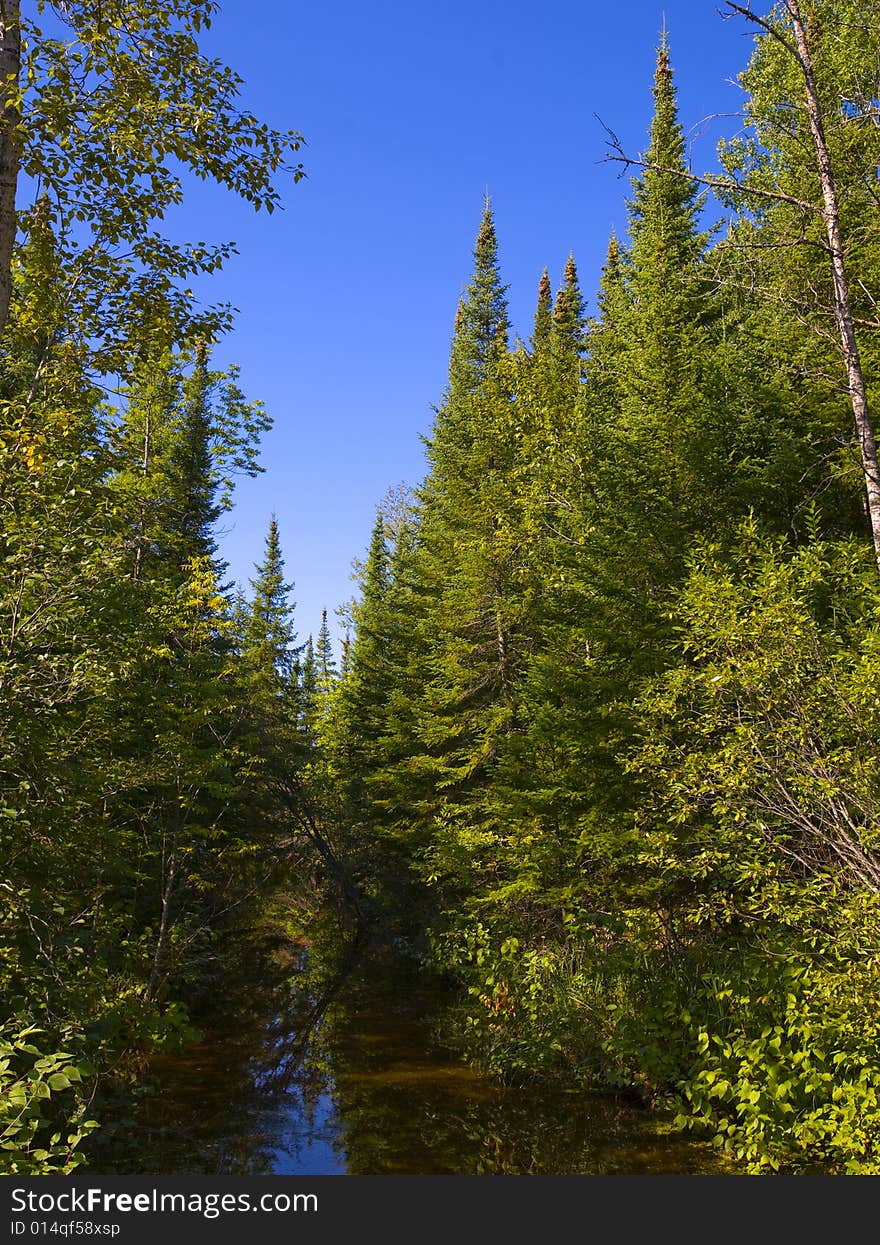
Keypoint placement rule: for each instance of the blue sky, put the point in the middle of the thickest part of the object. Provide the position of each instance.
(346, 298)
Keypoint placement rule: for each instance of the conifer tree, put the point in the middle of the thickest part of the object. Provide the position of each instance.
(184, 433)
(460, 670)
(363, 695)
(543, 315)
(308, 691)
(270, 747)
(359, 717)
(654, 470)
(665, 239)
(568, 315)
(366, 652)
(482, 326)
(667, 290)
(269, 639)
(326, 675)
(195, 468)
(469, 450)
(605, 333)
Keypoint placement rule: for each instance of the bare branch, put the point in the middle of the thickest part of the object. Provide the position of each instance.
(739, 10)
(723, 184)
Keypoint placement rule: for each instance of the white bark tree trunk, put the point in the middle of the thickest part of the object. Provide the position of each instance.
(10, 153)
(842, 303)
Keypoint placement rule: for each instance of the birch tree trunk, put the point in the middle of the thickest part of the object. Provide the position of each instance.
(842, 303)
(10, 154)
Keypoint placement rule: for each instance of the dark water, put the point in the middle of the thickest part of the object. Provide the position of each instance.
(311, 1068)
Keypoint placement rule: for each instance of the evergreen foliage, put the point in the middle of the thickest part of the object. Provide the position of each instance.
(140, 747)
(269, 640)
(601, 745)
(606, 737)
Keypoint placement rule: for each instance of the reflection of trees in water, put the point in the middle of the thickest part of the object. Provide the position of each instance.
(255, 1083)
(320, 1053)
(406, 1104)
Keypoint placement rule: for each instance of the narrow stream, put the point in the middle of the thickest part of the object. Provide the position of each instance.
(309, 1069)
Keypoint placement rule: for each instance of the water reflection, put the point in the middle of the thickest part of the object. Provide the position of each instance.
(322, 1067)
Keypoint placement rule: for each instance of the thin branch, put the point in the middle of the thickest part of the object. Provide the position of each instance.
(774, 31)
(618, 156)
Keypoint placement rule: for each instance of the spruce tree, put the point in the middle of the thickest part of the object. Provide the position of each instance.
(358, 719)
(308, 691)
(653, 478)
(195, 468)
(568, 320)
(664, 229)
(605, 333)
(269, 639)
(364, 694)
(325, 663)
(461, 666)
(366, 656)
(345, 658)
(543, 315)
(607, 337)
(482, 326)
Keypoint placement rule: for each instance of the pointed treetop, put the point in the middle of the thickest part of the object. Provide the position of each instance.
(196, 464)
(270, 638)
(612, 269)
(273, 545)
(663, 211)
(612, 297)
(376, 569)
(486, 256)
(568, 314)
(367, 653)
(308, 686)
(482, 326)
(271, 569)
(324, 659)
(486, 234)
(667, 140)
(543, 313)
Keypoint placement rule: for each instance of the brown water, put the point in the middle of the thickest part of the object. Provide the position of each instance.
(310, 1068)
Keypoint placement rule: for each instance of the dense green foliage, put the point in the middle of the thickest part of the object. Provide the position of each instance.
(602, 744)
(141, 766)
(606, 746)
(117, 99)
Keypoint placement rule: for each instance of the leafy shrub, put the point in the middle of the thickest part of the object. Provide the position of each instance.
(42, 1106)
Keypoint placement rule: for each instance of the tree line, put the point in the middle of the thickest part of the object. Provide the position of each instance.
(605, 751)
(601, 747)
(156, 722)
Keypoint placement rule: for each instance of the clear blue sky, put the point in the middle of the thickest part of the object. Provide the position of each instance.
(346, 299)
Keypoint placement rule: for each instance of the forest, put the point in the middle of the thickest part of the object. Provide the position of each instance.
(599, 749)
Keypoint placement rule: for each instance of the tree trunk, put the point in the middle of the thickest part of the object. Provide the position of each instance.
(141, 538)
(842, 305)
(502, 652)
(164, 926)
(10, 153)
